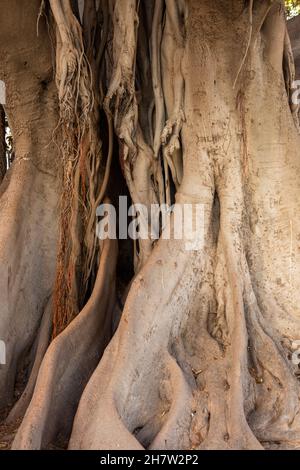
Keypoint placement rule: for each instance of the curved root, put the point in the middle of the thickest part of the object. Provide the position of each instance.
(69, 362)
(44, 337)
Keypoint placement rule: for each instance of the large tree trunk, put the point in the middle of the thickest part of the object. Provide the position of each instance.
(202, 357)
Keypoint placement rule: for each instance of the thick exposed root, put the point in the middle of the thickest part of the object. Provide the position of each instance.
(179, 414)
(43, 341)
(170, 407)
(28, 194)
(69, 362)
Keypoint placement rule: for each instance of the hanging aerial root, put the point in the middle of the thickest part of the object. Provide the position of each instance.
(81, 154)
